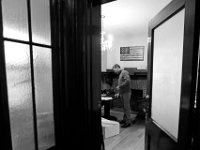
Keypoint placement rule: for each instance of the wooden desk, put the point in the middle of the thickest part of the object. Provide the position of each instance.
(105, 101)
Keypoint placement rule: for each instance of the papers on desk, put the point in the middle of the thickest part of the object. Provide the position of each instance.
(106, 98)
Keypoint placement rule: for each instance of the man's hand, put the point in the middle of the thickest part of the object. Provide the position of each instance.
(117, 88)
(116, 95)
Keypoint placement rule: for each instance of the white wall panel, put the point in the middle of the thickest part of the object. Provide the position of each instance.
(167, 73)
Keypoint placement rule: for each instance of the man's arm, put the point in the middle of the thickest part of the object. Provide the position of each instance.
(125, 79)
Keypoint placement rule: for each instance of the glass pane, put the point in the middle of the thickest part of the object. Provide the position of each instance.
(167, 73)
(44, 96)
(40, 13)
(15, 22)
(19, 95)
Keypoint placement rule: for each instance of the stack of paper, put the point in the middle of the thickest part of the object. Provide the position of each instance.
(110, 128)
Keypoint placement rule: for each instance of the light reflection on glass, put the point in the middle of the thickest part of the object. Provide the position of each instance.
(15, 19)
(19, 95)
(40, 17)
(44, 96)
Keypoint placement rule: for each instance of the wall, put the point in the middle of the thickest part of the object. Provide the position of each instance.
(123, 40)
(103, 60)
(128, 21)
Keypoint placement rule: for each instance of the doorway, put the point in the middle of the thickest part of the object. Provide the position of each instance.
(122, 29)
(79, 47)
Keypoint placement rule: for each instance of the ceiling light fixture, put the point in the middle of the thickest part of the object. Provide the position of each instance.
(106, 41)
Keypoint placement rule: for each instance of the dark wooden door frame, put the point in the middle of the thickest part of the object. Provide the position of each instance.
(76, 60)
(55, 14)
(5, 137)
(189, 72)
(79, 70)
(196, 133)
(100, 2)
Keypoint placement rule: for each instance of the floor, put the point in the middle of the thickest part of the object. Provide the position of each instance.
(131, 138)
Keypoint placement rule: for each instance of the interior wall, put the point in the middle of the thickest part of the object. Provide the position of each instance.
(127, 21)
(124, 40)
(103, 61)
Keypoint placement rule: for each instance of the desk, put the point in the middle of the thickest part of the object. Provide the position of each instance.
(105, 100)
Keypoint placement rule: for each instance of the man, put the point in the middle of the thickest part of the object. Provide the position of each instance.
(124, 88)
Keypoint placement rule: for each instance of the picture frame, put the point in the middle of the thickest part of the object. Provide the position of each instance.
(132, 53)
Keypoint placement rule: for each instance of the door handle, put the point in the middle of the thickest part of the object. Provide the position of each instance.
(147, 109)
(147, 96)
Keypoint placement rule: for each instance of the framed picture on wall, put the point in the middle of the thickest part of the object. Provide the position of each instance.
(132, 53)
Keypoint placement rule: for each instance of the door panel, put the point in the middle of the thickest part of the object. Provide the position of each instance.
(167, 70)
(44, 96)
(172, 69)
(196, 126)
(15, 19)
(19, 95)
(26, 53)
(40, 19)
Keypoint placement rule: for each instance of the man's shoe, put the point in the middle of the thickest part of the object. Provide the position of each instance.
(134, 121)
(126, 125)
(122, 122)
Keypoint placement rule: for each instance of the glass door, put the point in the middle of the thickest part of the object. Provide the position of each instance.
(28, 60)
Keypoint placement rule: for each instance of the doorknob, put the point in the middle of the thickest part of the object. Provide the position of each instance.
(147, 96)
(147, 106)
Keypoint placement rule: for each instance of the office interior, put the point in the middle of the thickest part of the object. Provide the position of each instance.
(125, 24)
(57, 82)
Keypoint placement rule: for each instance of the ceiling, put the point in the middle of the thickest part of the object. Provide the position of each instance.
(130, 16)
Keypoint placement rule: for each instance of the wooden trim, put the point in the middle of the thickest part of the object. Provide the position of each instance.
(27, 42)
(156, 139)
(189, 74)
(150, 69)
(100, 2)
(5, 139)
(81, 77)
(96, 76)
(172, 8)
(53, 148)
(61, 20)
(55, 18)
(196, 123)
(32, 76)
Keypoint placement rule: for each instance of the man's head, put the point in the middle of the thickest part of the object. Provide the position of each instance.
(116, 68)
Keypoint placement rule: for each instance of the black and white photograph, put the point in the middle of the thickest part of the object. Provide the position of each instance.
(99, 75)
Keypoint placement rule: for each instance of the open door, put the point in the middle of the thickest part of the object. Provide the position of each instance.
(172, 72)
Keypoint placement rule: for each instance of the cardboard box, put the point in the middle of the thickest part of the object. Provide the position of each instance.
(110, 128)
